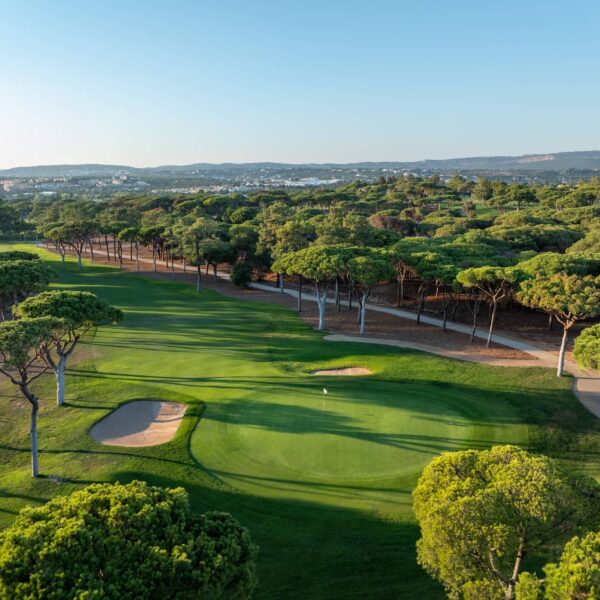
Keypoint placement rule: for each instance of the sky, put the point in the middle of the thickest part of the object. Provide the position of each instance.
(147, 83)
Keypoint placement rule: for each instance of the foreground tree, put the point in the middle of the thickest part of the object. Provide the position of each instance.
(587, 348)
(79, 312)
(481, 512)
(567, 298)
(23, 344)
(576, 576)
(129, 542)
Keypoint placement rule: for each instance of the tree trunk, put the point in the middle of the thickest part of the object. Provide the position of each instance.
(215, 271)
(300, 294)
(349, 298)
(154, 258)
(338, 303)
(107, 247)
(281, 282)
(322, 301)
(34, 441)
(561, 354)
(60, 381)
(130, 249)
(475, 315)
(79, 259)
(509, 592)
(421, 305)
(137, 256)
(32, 428)
(199, 278)
(492, 322)
(363, 314)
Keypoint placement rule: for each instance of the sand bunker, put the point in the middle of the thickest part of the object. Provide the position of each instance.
(345, 371)
(140, 423)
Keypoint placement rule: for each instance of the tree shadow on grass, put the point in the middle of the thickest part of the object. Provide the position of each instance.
(310, 550)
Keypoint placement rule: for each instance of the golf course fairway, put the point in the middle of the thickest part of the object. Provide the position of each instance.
(322, 480)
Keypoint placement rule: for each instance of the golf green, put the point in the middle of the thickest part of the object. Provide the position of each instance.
(323, 481)
(359, 441)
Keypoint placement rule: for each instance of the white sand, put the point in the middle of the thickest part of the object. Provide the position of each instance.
(344, 372)
(140, 423)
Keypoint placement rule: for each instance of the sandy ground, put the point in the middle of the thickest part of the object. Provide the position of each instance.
(344, 371)
(140, 423)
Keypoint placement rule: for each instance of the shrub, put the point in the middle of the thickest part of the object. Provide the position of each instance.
(587, 348)
(241, 274)
(125, 542)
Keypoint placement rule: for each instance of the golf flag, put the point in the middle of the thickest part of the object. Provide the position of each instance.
(324, 391)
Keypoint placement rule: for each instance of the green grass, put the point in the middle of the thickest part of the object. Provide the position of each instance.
(324, 489)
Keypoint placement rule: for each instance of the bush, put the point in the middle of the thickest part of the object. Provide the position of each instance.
(587, 348)
(125, 542)
(241, 274)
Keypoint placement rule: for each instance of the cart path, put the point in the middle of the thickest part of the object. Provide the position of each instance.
(586, 384)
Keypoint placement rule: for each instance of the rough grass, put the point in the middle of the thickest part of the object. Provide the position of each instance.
(323, 486)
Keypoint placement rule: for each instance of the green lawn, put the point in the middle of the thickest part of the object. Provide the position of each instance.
(323, 486)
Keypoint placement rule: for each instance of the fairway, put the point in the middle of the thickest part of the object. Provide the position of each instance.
(323, 481)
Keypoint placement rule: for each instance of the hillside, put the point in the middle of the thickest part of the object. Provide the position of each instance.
(560, 161)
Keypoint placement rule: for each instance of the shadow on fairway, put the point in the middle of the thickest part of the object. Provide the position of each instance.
(312, 551)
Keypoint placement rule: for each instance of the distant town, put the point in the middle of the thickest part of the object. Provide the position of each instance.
(101, 181)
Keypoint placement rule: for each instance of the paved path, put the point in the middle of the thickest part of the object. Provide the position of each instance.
(586, 384)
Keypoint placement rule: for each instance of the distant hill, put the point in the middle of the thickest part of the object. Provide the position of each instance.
(560, 161)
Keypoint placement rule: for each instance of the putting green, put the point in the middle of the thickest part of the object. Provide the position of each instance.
(361, 441)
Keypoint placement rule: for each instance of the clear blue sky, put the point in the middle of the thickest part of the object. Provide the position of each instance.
(153, 82)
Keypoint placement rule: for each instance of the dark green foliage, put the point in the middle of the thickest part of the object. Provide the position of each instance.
(241, 274)
(587, 348)
(125, 542)
(18, 255)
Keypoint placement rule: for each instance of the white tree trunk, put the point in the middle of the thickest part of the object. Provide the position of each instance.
(561, 354)
(60, 381)
(492, 323)
(34, 441)
(363, 313)
(322, 301)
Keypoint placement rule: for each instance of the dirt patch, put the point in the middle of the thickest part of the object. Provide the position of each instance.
(140, 423)
(346, 371)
